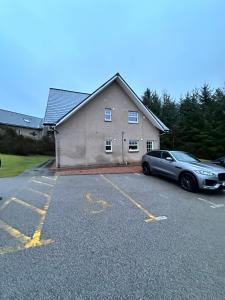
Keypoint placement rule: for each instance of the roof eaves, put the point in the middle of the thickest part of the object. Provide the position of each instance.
(63, 90)
(160, 124)
(86, 99)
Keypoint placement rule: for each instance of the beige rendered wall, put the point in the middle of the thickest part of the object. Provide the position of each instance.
(80, 140)
(26, 132)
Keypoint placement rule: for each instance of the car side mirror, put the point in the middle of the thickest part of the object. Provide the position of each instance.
(168, 158)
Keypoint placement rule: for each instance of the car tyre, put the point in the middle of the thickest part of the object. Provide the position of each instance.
(188, 182)
(146, 168)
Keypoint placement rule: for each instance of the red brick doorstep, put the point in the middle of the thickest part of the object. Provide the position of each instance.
(98, 170)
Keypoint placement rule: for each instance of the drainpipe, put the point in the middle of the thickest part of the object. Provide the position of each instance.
(57, 148)
(123, 147)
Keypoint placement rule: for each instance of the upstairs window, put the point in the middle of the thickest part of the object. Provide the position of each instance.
(133, 146)
(108, 146)
(108, 115)
(132, 117)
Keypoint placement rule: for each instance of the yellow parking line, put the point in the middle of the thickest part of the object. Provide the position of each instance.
(6, 250)
(14, 232)
(32, 207)
(150, 216)
(35, 240)
(37, 234)
(40, 182)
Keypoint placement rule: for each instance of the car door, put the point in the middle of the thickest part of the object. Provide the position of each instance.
(154, 159)
(168, 167)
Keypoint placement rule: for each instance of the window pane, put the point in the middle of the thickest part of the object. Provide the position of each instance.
(133, 145)
(108, 114)
(132, 117)
(166, 154)
(108, 145)
(149, 145)
(155, 154)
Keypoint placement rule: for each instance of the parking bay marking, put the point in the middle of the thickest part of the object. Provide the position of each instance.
(150, 216)
(51, 178)
(104, 204)
(27, 242)
(30, 206)
(38, 192)
(41, 182)
(212, 205)
(5, 204)
(14, 232)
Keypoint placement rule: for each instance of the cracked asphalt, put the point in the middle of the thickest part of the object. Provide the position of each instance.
(103, 248)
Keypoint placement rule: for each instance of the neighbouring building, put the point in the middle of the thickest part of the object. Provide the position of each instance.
(25, 125)
(108, 127)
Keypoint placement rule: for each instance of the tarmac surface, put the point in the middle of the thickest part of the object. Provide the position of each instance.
(109, 236)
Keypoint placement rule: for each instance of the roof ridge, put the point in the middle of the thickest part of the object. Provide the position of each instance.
(69, 91)
(14, 112)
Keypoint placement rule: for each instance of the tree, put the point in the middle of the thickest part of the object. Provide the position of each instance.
(196, 121)
(152, 100)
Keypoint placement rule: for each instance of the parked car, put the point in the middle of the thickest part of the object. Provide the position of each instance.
(190, 172)
(219, 161)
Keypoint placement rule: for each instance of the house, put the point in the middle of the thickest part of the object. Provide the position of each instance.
(108, 127)
(25, 125)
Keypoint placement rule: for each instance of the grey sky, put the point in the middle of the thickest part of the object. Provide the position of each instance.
(77, 45)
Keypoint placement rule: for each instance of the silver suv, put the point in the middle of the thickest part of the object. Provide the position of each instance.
(190, 172)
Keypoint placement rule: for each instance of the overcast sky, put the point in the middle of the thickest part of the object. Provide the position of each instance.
(173, 45)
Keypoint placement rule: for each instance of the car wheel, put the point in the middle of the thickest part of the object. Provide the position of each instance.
(146, 168)
(188, 182)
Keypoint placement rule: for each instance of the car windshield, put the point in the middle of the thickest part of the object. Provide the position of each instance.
(183, 156)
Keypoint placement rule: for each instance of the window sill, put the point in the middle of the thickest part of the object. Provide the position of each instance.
(133, 151)
(108, 120)
(130, 122)
(108, 152)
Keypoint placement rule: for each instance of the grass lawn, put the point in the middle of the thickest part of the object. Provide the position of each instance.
(13, 165)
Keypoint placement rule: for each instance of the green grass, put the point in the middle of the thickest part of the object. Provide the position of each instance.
(13, 165)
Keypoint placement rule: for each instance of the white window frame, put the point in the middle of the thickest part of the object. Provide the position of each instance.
(108, 113)
(133, 142)
(131, 121)
(108, 142)
(149, 142)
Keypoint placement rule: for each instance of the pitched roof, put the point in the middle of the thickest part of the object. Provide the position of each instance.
(20, 120)
(60, 102)
(118, 78)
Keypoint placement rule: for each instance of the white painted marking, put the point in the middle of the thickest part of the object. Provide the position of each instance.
(163, 196)
(217, 205)
(161, 218)
(40, 182)
(5, 204)
(38, 192)
(51, 178)
(137, 174)
(212, 205)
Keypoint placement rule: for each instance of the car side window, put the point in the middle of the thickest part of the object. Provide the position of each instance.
(165, 155)
(155, 154)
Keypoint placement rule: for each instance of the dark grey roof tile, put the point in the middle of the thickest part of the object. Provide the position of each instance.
(21, 120)
(60, 102)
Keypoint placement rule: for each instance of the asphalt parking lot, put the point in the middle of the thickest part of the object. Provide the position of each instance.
(119, 236)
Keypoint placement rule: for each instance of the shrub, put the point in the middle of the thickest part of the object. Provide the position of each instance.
(12, 143)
